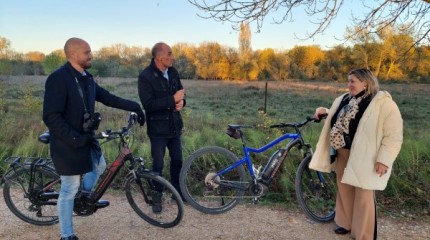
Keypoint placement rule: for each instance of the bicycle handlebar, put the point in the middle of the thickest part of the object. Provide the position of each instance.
(301, 124)
(108, 134)
(113, 134)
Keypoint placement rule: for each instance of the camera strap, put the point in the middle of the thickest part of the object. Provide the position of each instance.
(81, 93)
(80, 90)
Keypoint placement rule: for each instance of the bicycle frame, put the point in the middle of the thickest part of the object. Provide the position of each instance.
(295, 137)
(113, 169)
(124, 155)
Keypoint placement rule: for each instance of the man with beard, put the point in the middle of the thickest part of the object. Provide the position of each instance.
(68, 112)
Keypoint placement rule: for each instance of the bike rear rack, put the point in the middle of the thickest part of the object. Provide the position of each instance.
(16, 163)
(22, 161)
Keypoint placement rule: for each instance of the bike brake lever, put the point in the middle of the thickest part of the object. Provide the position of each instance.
(101, 135)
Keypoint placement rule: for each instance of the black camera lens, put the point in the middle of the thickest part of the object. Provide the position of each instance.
(91, 121)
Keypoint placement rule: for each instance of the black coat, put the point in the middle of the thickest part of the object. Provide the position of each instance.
(156, 95)
(63, 110)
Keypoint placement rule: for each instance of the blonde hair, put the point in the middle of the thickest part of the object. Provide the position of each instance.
(365, 75)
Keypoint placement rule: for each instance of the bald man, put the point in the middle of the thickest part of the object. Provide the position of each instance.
(163, 97)
(69, 102)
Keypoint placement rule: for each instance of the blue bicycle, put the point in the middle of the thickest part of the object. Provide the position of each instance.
(213, 179)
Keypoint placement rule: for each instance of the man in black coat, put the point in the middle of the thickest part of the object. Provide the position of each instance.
(69, 114)
(162, 96)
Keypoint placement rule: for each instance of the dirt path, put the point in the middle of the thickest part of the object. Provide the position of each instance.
(246, 221)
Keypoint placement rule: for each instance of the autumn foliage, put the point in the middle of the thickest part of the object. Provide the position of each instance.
(389, 55)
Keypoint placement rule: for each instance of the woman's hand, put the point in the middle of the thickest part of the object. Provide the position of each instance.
(381, 169)
(320, 111)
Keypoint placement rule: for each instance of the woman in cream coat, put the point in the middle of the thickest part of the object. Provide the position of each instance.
(360, 140)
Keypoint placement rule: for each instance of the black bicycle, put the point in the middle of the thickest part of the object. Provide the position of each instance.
(31, 186)
(213, 179)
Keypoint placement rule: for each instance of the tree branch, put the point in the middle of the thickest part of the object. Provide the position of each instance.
(322, 13)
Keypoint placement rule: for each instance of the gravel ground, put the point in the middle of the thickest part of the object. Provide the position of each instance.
(246, 221)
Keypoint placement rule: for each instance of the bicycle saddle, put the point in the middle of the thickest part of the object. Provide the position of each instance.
(234, 130)
(236, 126)
(44, 137)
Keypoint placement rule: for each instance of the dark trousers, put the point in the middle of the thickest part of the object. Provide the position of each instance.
(158, 150)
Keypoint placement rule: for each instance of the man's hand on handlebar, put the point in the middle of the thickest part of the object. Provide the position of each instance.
(136, 117)
(140, 117)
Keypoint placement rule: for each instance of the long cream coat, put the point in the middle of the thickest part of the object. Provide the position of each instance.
(378, 138)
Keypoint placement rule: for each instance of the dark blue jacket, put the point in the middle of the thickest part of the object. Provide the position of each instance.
(156, 96)
(63, 110)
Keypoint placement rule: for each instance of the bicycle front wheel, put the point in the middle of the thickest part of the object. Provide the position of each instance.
(205, 191)
(35, 205)
(316, 192)
(154, 199)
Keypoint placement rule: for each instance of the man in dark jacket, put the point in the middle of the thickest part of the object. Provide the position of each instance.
(162, 96)
(69, 114)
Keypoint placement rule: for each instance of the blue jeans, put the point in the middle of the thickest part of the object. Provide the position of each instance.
(69, 188)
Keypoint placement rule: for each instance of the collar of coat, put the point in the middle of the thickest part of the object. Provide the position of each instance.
(379, 95)
(157, 71)
(75, 73)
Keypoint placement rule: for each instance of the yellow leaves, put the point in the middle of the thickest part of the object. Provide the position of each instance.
(35, 56)
(306, 56)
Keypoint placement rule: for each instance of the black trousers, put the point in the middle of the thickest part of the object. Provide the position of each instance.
(158, 151)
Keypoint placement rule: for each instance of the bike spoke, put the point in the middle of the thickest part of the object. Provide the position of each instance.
(316, 192)
(32, 206)
(149, 190)
(206, 191)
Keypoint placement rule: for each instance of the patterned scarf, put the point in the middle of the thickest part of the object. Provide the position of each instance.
(341, 126)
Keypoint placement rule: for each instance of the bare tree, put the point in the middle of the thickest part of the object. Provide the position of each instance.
(380, 14)
(245, 48)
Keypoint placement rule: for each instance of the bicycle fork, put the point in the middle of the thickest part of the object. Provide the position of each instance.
(138, 180)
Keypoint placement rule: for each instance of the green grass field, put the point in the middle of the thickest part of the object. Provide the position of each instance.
(211, 105)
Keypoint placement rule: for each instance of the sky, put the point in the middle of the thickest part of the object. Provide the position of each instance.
(45, 25)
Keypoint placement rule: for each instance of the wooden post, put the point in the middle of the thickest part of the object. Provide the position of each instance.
(265, 97)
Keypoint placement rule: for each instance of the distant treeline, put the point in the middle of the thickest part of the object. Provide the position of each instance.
(392, 58)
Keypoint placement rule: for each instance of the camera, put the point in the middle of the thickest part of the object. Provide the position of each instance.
(91, 121)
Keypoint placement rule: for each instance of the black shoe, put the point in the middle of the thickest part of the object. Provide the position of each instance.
(341, 230)
(101, 203)
(73, 237)
(156, 202)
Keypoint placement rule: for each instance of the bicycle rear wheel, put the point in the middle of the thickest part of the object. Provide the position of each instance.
(141, 193)
(207, 192)
(316, 192)
(36, 206)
